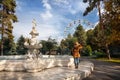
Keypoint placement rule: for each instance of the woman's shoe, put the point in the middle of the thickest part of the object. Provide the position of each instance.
(76, 67)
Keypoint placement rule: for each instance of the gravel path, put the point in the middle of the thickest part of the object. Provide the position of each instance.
(104, 71)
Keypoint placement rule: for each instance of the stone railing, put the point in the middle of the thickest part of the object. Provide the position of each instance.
(16, 57)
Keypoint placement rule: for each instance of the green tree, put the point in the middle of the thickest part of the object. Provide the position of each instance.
(49, 45)
(93, 4)
(111, 18)
(80, 34)
(44, 48)
(7, 17)
(7, 46)
(70, 40)
(101, 40)
(63, 46)
(115, 49)
(88, 50)
(109, 21)
(89, 35)
(67, 44)
(20, 45)
(12, 50)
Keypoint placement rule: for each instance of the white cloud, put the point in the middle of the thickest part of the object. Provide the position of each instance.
(51, 26)
(46, 15)
(46, 31)
(46, 5)
(77, 7)
(51, 20)
(72, 6)
(62, 1)
(19, 5)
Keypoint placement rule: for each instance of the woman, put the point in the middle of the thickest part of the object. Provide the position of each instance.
(76, 54)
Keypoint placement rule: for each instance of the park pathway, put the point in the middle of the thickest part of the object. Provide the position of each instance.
(104, 70)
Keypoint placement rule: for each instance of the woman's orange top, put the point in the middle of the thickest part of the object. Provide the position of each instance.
(76, 50)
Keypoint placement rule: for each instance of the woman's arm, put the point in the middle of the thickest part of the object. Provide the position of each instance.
(80, 46)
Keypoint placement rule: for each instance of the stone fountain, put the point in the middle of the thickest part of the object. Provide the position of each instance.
(33, 44)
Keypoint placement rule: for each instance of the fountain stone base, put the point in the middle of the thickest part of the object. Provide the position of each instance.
(37, 69)
(37, 64)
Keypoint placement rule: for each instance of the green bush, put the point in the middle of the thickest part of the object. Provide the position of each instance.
(87, 51)
(99, 54)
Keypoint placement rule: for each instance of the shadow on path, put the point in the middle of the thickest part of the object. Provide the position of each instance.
(104, 70)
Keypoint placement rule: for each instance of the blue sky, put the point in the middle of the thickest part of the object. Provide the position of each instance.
(53, 17)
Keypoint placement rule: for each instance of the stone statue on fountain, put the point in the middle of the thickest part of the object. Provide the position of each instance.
(33, 44)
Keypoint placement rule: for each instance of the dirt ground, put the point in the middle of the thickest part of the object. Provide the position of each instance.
(104, 71)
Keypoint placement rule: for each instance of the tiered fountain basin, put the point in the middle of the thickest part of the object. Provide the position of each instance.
(58, 67)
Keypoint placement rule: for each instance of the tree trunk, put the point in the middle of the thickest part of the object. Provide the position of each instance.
(2, 34)
(100, 18)
(107, 51)
(49, 53)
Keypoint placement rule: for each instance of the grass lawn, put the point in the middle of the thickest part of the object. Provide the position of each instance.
(115, 60)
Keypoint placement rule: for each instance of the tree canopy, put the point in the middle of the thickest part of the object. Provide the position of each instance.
(7, 17)
(80, 34)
